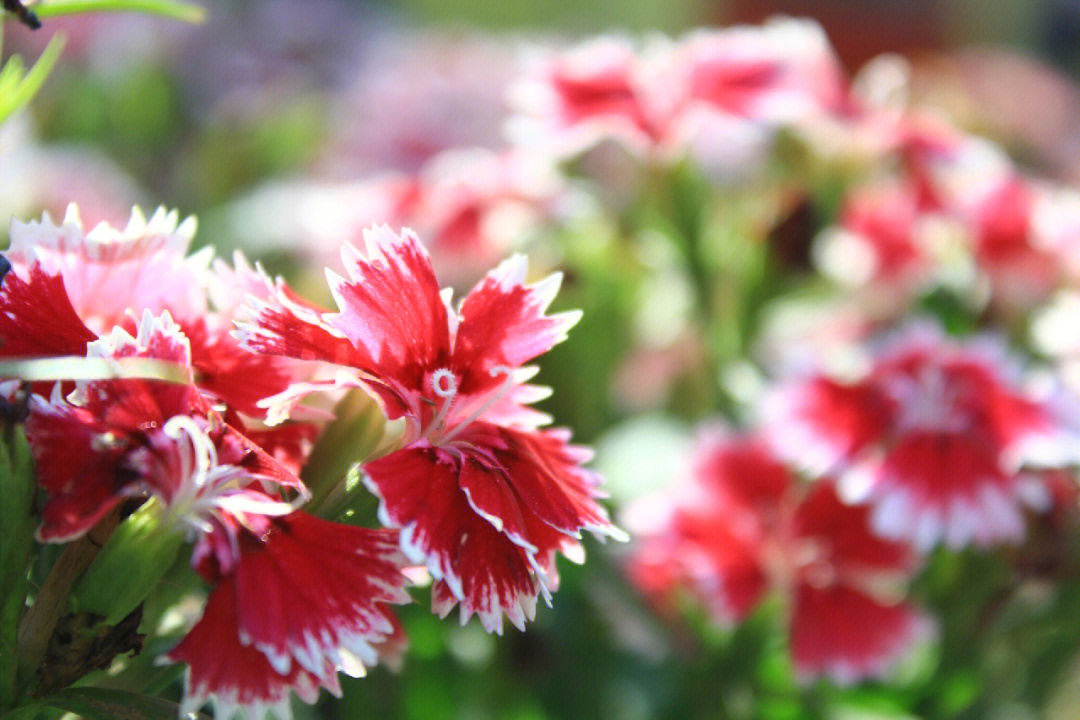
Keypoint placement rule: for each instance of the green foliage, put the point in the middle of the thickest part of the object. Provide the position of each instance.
(101, 704)
(17, 487)
(19, 85)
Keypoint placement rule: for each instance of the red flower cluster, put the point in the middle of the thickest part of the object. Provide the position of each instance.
(957, 200)
(934, 442)
(479, 493)
(744, 525)
(935, 436)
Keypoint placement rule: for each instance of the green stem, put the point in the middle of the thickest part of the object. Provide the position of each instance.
(687, 198)
(39, 622)
(174, 9)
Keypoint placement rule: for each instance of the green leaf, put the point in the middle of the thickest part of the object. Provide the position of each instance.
(17, 488)
(75, 367)
(17, 88)
(175, 9)
(102, 704)
(26, 712)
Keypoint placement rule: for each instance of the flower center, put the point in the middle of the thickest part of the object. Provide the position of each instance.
(931, 401)
(445, 385)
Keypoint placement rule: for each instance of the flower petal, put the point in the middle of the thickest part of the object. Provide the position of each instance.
(846, 635)
(473, 562)
(235, 676)
(545, 472)
(391, 308)
(37, 319)
(312, 591)
(503, 324)
(80, 472)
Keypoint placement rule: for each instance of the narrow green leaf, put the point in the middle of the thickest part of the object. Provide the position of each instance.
(26, 712)
(11, 74)
(33, 80)
(92, 368)
(17, 488)
(175, 9)
(102, 704)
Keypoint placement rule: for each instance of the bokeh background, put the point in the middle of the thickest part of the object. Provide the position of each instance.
(271, 121)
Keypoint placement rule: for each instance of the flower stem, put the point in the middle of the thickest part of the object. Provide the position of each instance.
(39, 622)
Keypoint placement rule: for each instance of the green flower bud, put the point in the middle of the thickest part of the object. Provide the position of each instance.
(137, 555)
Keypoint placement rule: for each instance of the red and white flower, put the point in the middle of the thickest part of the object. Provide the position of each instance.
(725, 92)
(483, 498)
(744, 526)
(885, 239)
(960, 213)
(934, 435)
(296, 599)
(595, 91)
(52, 301)
(716, 95)
(91, 448)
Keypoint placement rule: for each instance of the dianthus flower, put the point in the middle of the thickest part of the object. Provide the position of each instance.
(295, 599)
(934, 436)
(68, 286)
(717, 95)
(597, 90)
(103, 428)
(734, 87)
(884, 239)
(482, 496)
(1015, 231)
(743, 526)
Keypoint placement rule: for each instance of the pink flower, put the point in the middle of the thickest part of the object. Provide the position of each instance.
(483, 498)
(1001, 210)
(933, 436)
(473, 207)
(595, 91)
(882, 238)
(740, 84)
(55, 304)
(744, 526)
(715, 95)
(144, 266)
